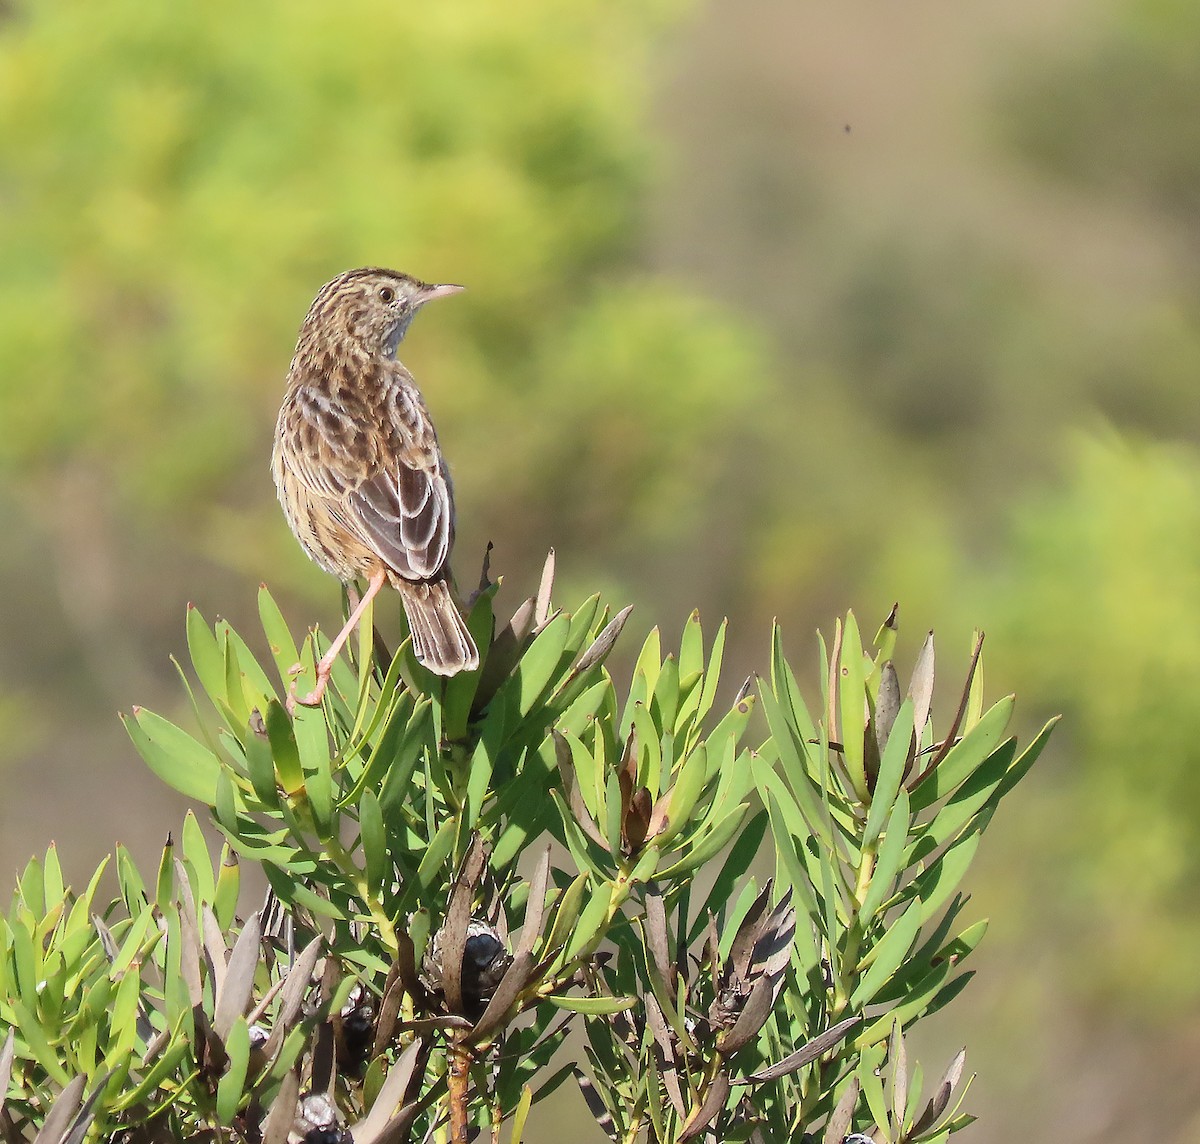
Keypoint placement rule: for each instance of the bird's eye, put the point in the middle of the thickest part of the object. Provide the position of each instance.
(387, 295)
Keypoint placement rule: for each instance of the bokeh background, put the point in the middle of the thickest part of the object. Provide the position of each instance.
(775, 307)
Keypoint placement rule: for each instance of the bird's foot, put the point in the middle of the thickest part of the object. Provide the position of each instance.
(312, 699)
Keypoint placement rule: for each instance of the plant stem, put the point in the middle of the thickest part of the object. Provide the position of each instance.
(357, 879)
(457, 1079)
(854, 935)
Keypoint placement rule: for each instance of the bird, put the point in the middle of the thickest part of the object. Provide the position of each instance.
(358, 469)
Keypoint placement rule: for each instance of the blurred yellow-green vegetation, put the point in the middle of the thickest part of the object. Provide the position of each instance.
(773, 308)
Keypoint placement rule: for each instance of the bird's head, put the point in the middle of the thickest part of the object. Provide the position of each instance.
(371, 307)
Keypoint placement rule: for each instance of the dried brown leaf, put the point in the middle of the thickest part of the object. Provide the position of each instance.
(920, 690)
(952, 736)
(808, 1052)
(291, 998)
(545, 588)
(887, 704)
(58, 1123)
(233, 995)
(570, 785)
(391, 1093)
(657, 940)
(453, 936)
(839, 1119)
(279, 1120)
(753, 1016)
(714, 1101)
(940, 1101)
(602, 644)
(515, 978)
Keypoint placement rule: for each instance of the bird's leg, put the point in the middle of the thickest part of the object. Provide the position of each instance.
(325, 666)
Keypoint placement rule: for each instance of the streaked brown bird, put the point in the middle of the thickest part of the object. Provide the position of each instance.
(356, 461)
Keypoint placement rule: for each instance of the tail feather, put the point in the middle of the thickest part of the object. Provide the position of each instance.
(440, 637)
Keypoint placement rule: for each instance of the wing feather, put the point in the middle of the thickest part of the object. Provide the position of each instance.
(377, 468)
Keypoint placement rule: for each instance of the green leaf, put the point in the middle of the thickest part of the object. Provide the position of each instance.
(890, 856)
(649, 662)
(664, 705)
(225, 806)
(482, 766)
(712, 674)
(174, 756)
(164, 1066)
(975, 796)
(649, 750)
(887, 956)
(737, 862)
(460, 689)
(374, 841)
(207, 659)
(612, 814)
(400, 749)
(646, 866)
(1027, 758)
(587, 777)
(439, 849)
(292, 892)
(123, 1014)
(593, 1006)
(791, 867)
(804, 812)
(891, 774)
(32, 1034)
(871, 1081)
(965, 756)
(685, 793)
(691, 647)
(520, 1113)
(197, 859)
(935, 885)
(708, 842)
(282, 737)
(279, 637)
(260, 767)
(732, 725)
(584, 708)
(133, 889)
(52, 877)
(228, 888)
(255, 686)
(852, 706)
(590, 927)
(540, 663)
(164, 886)
(567, 913)
(231, 1084)
(585, 854)
(135, 944)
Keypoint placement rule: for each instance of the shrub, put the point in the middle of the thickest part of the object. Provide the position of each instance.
(463, 870)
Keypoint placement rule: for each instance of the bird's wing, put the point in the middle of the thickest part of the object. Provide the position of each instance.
(405, 514)
(378, 468)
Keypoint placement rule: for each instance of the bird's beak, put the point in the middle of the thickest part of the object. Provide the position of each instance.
(442, 291)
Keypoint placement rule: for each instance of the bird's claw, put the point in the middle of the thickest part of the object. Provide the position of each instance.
(312, 699)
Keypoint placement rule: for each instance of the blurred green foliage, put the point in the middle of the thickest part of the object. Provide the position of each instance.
(1099, 607)
(178, 182)
(1117, 114)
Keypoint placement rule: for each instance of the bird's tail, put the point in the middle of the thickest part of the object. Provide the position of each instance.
(440, 637)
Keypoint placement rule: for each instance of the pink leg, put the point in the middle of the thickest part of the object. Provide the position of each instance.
(325, 667)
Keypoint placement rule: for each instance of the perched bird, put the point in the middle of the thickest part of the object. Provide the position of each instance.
(357, 465)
